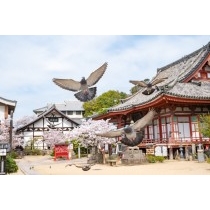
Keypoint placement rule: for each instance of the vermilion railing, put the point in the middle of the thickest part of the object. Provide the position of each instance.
(177, 141)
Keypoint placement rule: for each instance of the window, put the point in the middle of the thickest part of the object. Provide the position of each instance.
(53, 119)
(184, 128)
(69, 112)
(194, 127)
(78, 112)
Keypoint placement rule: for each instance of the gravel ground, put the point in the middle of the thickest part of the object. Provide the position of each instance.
(45, 165)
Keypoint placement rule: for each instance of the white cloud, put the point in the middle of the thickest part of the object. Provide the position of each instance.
(28, 63)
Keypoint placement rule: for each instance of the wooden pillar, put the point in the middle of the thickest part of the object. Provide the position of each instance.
(172, 109)
(158, 110)
(6, 111)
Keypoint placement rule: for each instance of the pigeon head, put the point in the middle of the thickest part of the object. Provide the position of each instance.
(83, 81)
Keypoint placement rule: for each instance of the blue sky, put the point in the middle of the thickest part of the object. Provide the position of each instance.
(29, 63)
(47, 39)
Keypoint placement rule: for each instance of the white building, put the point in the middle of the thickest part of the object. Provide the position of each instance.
(72, 109)
(50, 118)
(6, 108)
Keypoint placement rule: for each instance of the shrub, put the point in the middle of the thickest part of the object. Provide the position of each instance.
(208, 160)
(151, 159)
(160, 159)
(10, 165)
(207, 152)
(154, 159)
(13, 154)
(28, 151)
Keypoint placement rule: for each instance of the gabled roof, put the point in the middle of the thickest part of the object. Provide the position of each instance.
(66, 106)
(177, 73)
(52, 109)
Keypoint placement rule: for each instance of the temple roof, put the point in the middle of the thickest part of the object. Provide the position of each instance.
(178, 73)
(45, 113)
(66, 106)
(8, 102)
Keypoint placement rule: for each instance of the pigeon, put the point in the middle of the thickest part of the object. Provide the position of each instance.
(132, 135)
(85, 91)
(149, 85)
(85, 167)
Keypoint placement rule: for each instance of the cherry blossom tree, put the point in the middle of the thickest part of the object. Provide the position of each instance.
(86, 133)
(53, 137)
(24, 121)
(5, 136)
(4, 131)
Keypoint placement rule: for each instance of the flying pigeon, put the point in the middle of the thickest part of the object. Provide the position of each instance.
(133, 134)
(85, 167)
(85, 91)
(149, 85)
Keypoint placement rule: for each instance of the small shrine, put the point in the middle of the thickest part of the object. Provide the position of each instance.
(61, 151)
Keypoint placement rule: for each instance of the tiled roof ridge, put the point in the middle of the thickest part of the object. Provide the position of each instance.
(186, 57)
(14, 101)
(44, 113)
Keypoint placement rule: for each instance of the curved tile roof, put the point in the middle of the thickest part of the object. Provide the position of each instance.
(8, 102)
(190, 90)
(176, 72)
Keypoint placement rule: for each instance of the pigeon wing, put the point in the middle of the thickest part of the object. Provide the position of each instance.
(111, 134)
(140, 83)
(156, 81)
(96, 75)
(144, 121)
(68, 84)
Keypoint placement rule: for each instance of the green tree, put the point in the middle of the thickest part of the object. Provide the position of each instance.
(100, 104)
(204, 125)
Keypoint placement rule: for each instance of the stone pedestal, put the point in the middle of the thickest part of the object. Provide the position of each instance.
(200, 155)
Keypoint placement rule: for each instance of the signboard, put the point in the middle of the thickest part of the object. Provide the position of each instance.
(3, 152)
(150, 151)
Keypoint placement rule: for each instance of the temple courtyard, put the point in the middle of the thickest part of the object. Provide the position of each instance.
(46, 165)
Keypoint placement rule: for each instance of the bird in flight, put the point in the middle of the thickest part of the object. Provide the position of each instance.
(85, 167)
(85, 91)
(149, 86)
(132, 135)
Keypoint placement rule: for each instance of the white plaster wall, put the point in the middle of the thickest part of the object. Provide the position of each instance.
(2, 109)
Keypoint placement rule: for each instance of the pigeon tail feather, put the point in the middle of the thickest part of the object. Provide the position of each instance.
(86, 96)
(139, 138)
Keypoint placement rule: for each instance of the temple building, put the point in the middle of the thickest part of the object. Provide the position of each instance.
(51, 118)
(72, 109)
(7, 107)
(179, 101)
